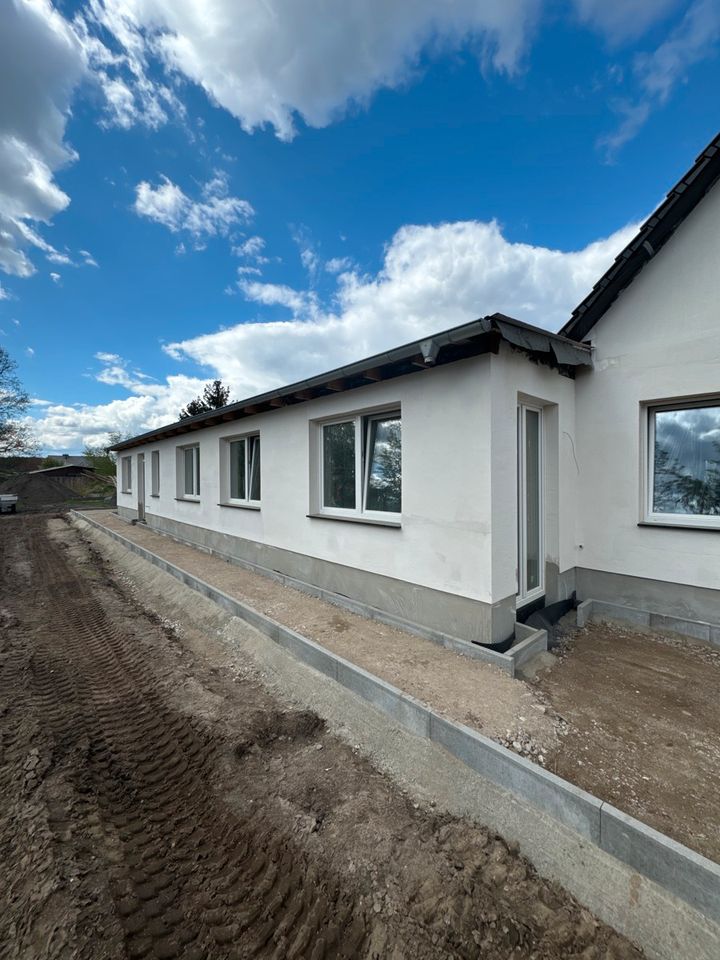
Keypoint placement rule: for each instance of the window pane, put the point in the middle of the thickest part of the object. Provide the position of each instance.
(339, 465)
(196, 453)
(155, 472)
(254, 451)
(237, 470)
(532, 500)
(687, 461)
(189, 471)
(384, 472)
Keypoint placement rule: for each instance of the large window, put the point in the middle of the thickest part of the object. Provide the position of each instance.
(361, 466)
(155, 473)
(684, 464)
(189, 472)
(126, 474)
(244, 470)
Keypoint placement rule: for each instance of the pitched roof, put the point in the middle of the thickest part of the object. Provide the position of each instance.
(652, 235)
(459, 343)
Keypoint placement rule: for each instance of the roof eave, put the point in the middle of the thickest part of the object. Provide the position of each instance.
(448, 346)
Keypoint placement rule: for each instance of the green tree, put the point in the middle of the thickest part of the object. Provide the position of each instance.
(16, 437)
(214, 396)
(103, 459)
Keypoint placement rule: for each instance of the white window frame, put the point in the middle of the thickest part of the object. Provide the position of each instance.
(126, 474)
(155, 473)
(182, 494)
(648, 516)
(525, 596)
(225, 470)
(363, 423)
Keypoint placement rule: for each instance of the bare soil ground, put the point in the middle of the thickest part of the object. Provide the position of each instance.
(475, 693)
(156, 804)
(643, 718)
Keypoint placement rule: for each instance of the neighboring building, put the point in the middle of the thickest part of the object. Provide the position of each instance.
(491, 466)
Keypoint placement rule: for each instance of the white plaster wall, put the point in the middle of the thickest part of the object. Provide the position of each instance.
(444, 542)
(660, 340)
(515, 378)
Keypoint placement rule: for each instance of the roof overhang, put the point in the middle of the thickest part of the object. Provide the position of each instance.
(449, 346)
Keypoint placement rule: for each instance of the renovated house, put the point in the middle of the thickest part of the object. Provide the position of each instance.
(491, 468)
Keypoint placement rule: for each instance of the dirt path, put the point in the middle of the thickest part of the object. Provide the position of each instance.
(130, 827)
(644, 727)
(471, 691)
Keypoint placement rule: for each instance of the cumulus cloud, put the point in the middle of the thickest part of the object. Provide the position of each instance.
(291, 59)
(41, 63)
(4, 293)
(432, 277)
(213, 214)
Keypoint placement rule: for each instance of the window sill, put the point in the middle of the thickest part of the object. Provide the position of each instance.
(242, 506)
(368, 521)
(155, 496)
(679, 526)
(188, 499)
(126, 493)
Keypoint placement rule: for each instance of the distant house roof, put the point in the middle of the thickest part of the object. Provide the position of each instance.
(652, 235)
(65, 468)
(459, 343)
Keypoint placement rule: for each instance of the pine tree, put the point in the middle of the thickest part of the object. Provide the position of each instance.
(214, 396)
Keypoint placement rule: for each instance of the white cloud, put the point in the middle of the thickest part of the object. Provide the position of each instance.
(4, 293)
(29, 352)
(621, 20)
(338, 264)
(55, 277)
(432, 278)
(62, 258)
(252, 247)
(214, 214)
(692, 40)
(88, 259)
(41, 63)
(309, 59)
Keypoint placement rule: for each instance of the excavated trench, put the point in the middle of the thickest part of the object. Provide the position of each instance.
(130, 827)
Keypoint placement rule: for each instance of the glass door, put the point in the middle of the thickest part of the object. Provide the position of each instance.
(531, 566)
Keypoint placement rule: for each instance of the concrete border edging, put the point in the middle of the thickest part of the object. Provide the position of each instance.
(475, 651)
(674, 867)
(592, 609)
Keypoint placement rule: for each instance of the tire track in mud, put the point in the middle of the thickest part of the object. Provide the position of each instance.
(136, 822)
(188, 878)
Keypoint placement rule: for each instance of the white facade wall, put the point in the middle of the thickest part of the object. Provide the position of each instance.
(445, 539)
(659, 341)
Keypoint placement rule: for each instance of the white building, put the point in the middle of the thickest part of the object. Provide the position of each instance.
(495, 465)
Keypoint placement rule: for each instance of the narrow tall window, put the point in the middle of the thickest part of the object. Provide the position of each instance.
(339, 465)
(191, 471)
(244, 467)
(383, 460)
(684, 464)
(361, 466)
(126, 474)
(155, 473)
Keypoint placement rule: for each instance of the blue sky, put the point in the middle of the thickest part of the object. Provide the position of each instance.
(261, 191)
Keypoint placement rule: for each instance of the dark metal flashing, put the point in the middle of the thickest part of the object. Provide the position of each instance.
(448, 346)
(654, 233)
